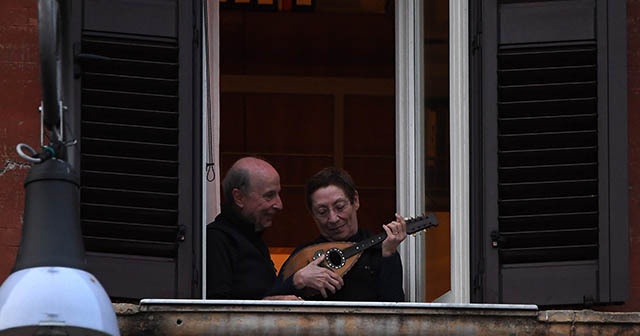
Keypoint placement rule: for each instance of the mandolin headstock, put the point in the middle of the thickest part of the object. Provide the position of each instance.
(422, 222)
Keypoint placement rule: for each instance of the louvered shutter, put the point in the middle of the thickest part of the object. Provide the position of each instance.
(139, 145)
(553, 129)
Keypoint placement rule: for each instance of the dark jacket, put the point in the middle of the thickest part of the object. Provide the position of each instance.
(372, 277)
(239, 265)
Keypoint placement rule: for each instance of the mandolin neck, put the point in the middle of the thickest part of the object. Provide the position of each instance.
(413, 225)
(363, 245)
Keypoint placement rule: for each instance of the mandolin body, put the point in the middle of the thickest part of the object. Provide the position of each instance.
(332, 251)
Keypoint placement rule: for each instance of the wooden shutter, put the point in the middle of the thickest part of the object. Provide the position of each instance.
(139, 145)
(553, 136)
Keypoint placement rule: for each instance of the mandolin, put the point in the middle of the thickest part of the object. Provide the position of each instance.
(340, 256)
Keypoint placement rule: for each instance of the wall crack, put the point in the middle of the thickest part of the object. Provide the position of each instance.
(10, 165)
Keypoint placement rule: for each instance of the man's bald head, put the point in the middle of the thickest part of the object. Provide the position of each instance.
(241, 174)
(252, 187)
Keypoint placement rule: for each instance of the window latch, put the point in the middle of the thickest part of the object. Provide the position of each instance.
(180, 235)
(496, 239)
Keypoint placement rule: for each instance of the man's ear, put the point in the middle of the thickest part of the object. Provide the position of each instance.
(356, 201)
(238, 198)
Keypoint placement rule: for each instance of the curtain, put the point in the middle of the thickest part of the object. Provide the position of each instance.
(211, 116)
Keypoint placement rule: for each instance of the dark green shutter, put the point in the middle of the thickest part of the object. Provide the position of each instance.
(138, 69)
(552, 131)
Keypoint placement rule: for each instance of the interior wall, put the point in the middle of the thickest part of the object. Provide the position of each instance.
(308, 90)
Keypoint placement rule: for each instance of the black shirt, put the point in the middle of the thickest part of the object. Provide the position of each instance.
(372, 277)
(239, 265)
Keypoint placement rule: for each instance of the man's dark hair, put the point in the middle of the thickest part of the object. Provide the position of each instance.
(235, 178)
(331, 176)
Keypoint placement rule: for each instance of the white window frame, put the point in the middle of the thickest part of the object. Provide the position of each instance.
(410, 134)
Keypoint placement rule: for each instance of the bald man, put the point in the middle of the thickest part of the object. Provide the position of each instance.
(239, 265)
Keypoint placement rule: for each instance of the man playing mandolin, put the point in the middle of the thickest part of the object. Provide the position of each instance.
(373, 275)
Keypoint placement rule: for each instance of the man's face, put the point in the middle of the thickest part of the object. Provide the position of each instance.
(335, 216)
(262, 201)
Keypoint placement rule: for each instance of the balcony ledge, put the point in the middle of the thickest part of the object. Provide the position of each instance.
(249, 317)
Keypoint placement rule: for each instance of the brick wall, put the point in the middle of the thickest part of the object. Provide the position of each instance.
(19, 118)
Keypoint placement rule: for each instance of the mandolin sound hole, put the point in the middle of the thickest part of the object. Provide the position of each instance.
(334, 258)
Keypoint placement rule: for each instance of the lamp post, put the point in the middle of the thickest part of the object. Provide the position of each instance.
(49, 291)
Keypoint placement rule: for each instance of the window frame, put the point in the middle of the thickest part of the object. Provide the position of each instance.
(409, 123)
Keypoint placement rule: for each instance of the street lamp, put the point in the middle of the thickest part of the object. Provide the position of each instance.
(49, 291)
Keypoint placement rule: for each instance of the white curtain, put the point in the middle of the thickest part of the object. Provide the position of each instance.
(211, 124)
